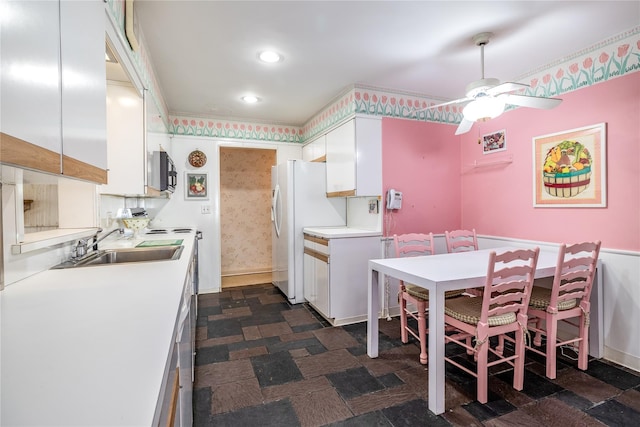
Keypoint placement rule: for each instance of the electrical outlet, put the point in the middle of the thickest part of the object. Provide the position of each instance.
(205, 209)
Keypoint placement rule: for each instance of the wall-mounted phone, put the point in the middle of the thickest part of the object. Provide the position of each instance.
(394, 199)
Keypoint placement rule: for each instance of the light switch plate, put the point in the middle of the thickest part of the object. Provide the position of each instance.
(205, 209)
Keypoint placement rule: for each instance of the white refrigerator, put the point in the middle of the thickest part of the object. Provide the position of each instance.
(299, 200)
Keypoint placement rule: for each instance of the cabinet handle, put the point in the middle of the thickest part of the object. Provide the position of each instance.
(317, 255)
(174, 399)
(315, 239)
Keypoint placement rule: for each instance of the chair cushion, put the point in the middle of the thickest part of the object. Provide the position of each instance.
(540, 298)
(422, 293)
(468, 309)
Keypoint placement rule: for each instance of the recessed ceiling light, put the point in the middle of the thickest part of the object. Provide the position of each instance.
(250, 99)
(270, 56)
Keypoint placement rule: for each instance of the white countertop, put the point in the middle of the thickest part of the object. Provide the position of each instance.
(88, 346)
(340, 232)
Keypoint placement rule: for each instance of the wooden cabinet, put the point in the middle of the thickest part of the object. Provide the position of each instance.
(335, 276)
(354, 158)
(53, 87)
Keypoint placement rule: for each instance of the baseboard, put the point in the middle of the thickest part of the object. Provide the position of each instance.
(628, 360)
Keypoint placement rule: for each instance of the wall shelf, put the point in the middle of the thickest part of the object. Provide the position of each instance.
(503, 161)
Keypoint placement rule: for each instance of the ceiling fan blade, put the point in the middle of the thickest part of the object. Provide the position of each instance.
(506, 87)
(531, 101)
(455, 101)
(465, 126)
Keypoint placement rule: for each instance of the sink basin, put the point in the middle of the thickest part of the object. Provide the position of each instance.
(121, 256)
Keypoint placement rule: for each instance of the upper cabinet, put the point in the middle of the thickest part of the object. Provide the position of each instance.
(84, 127)
(354, 158)
(315, 150)
(125, 133)
(30, 85)
(53, 87)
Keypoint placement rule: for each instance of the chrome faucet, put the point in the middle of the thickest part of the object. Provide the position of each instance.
(85, 245)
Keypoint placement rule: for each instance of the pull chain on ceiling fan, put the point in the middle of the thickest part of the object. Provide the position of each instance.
(486, 98)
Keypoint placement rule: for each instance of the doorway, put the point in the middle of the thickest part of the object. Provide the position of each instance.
(245, 215)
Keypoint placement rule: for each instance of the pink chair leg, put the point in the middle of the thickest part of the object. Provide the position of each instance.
(500, 346)
(518, 370)
(537, 340)
(422, 331)
(403, 318)
(552, 334)
(483, 372)
(583, 346)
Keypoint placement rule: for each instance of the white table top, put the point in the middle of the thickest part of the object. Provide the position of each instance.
(89, 345)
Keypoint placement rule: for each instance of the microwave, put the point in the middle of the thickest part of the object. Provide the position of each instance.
(163, 176)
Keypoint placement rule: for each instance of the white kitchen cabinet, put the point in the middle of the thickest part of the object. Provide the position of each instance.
(30, 84)
(335, 276)
(82, 42)
(354, 158)
(125, 133)
(316, 273)
(315, 150)
(53, 86)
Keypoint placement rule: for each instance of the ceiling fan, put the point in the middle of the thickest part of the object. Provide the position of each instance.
(486, 98)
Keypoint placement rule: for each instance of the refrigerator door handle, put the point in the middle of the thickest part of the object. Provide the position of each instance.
(276, 210)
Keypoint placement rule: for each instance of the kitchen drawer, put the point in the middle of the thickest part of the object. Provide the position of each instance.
(316, 244)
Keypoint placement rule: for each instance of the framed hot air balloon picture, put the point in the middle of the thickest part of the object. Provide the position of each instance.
(570, 168)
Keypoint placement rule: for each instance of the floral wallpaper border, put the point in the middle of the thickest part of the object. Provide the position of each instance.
(604, 61)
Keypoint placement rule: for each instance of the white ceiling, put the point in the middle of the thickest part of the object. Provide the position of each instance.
(204, 52)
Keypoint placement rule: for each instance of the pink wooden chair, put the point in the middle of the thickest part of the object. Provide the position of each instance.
(461, 240)
(567, 300)
(501, 310)
(415, 244)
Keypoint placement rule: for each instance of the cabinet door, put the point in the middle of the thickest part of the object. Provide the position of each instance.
(30, 85)
(369, 155)
(315, 150)
(125, 136)
(322, 286)
(309, 275)
(341, 161)
(84, 135)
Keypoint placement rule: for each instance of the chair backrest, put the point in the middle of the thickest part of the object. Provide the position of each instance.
(461, 240)
(509, 282)
(413, 244)
(574, 274)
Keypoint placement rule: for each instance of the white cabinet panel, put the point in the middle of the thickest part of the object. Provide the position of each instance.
(125, 136)
(354, 158)
(341, 159)
(30, 73)
(314, 150)
(82, 41)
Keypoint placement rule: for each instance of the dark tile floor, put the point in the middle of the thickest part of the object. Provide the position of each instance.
(261, 361)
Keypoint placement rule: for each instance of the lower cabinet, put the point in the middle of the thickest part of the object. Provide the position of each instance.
(336, 274)
(175, 407)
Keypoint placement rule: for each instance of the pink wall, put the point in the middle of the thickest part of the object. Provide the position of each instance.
(432, 166)
(421, 160)
(499, 200)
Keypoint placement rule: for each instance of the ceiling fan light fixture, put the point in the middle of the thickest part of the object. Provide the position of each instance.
(270, 56)
(483, 108)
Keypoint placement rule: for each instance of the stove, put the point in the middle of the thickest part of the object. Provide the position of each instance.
(169, 230)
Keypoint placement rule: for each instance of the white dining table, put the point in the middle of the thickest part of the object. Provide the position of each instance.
(438, 274)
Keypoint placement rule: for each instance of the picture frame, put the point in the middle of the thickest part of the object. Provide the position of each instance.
(494, 142)
(570, 168)
(196, 186)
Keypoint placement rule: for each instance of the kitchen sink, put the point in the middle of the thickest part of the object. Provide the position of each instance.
(129, 255)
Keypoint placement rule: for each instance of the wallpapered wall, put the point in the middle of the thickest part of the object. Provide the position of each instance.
(245, 215)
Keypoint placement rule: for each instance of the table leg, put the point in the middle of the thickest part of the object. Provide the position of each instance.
(436, 351)
(372, 314)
